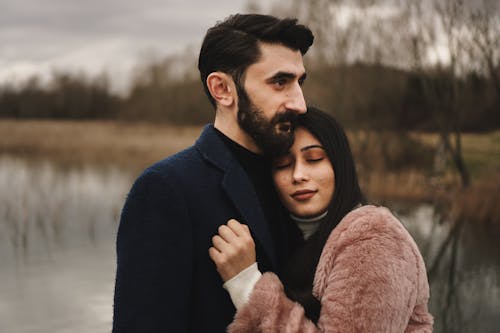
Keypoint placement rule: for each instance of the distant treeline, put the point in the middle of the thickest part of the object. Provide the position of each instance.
(67, 96)
(380, 97)
(371, 67)
(360, 95)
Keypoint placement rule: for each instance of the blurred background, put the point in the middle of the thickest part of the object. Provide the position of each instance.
(92, 92)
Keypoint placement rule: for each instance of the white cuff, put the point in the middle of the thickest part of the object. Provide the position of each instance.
(240, 286)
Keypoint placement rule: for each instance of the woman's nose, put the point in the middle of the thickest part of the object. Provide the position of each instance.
(299, 173)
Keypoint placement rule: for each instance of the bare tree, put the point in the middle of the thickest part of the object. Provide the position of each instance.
(443, 96)
(483, 23)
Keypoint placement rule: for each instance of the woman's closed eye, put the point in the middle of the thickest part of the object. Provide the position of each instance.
(315, 159)
(314, 155)
(282, 162)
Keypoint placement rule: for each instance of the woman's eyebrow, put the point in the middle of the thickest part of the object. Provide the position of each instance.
(310, 147)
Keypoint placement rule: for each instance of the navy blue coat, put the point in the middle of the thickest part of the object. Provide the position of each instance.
(165, 280)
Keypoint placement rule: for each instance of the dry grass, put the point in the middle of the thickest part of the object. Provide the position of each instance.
(481, 151)
(479, 202)
(129, 145)
(409, 185)
(134, 146)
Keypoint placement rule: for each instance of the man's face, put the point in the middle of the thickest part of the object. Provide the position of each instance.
(271, 98)
(274, 136)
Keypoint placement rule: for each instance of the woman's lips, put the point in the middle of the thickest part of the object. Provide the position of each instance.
(303, 195)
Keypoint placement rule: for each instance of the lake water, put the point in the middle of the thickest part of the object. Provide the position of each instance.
(57, 255)
(57, 234)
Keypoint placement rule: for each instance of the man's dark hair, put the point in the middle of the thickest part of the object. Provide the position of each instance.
(232, 45)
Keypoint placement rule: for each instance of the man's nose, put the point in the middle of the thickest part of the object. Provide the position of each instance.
(296, 100)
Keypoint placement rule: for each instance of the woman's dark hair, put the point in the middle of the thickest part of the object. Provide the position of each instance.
(232, 45)
(298, 275)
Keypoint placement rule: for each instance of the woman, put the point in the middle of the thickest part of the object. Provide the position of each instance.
(358, 270)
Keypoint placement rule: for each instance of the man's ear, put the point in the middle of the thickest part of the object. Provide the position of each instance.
(221, 88)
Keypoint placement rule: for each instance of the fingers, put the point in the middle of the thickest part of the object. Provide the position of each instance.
(233, 249)
(221, 245)
(242, 231)
(214, 254)
(233, 238)
(227, 234)
(238, 228)
(233, 230)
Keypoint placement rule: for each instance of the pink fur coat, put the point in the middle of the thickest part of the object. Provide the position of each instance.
(370, 278)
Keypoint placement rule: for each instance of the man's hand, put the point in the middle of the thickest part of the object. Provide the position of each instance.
(233, 249)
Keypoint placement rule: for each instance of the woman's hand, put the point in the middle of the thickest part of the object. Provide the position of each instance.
(233, 249)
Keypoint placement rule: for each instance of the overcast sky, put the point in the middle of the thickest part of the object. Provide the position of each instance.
(38, 36)
(112, 36)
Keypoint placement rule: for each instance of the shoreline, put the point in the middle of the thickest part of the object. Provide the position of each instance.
(134, 146)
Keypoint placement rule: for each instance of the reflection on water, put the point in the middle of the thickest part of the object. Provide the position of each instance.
(464, 271)
(57, 234)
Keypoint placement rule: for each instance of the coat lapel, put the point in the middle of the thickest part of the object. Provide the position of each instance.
(238, 187)
(241, 192)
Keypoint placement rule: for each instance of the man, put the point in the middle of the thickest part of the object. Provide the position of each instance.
(252, 71)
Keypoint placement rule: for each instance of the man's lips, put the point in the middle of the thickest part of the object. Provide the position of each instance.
(303, 194)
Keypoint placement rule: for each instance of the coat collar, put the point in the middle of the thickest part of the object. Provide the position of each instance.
(238, 187)
(213, 149)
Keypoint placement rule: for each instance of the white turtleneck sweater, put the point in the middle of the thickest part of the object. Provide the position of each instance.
(240, 286)
(308, 225)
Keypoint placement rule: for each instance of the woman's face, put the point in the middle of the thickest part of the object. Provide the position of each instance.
(304, 178)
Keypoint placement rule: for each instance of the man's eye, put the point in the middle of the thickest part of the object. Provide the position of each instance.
(280, 83)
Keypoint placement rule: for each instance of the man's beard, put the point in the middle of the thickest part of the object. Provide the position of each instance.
(274, 137)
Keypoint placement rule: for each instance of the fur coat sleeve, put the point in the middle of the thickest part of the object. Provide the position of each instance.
(370, 278)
